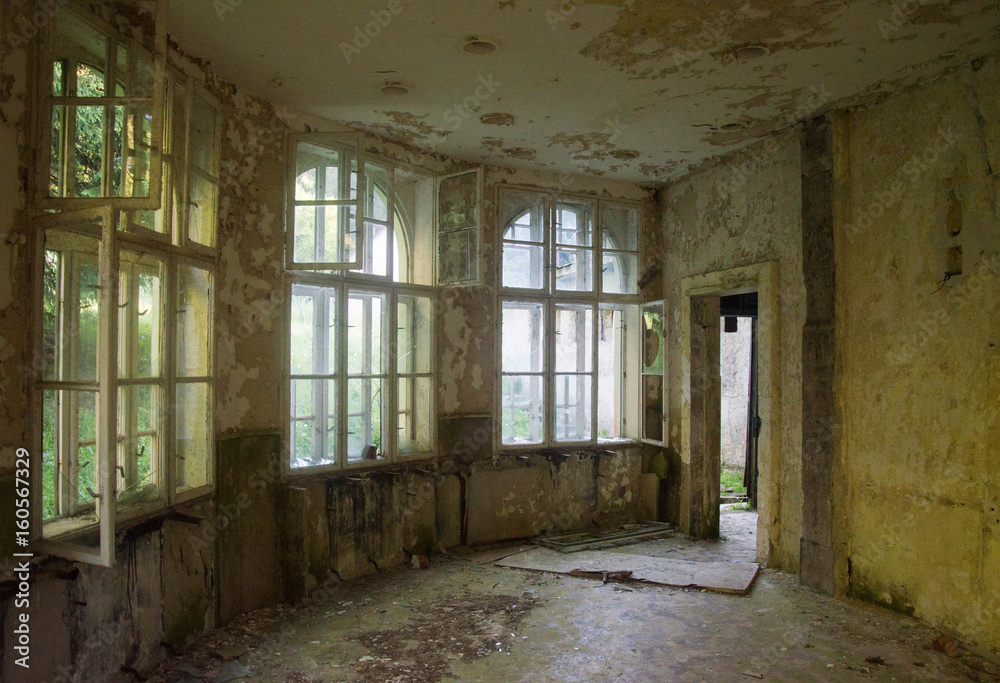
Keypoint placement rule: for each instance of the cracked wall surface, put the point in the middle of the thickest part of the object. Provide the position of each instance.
(919, 358)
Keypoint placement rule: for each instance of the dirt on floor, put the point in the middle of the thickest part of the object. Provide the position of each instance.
(468, 620)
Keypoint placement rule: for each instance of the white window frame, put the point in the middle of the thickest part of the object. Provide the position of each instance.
(47, 101)
(62, 535)
(343, 142)
(476, 244)
(342, 282)
(549, 297)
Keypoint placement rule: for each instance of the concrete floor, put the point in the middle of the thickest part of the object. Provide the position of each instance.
(467, 620)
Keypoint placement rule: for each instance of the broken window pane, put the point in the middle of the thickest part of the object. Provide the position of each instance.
(574, 270)
(194, 318)
(194, 434)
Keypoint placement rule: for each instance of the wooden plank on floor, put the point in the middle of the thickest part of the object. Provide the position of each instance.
(721, 577)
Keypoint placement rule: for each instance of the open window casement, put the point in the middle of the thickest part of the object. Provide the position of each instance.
(459, 220)
(324, 201)
(124, 381)
(653, 373)
(77, 408)
(101, 113)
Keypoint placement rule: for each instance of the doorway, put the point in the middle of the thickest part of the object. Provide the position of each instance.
(701, 394)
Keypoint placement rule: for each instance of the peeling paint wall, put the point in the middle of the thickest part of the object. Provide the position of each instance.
(742, 211)
(919, 358)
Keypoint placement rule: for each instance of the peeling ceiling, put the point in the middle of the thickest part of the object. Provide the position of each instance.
(631, 90)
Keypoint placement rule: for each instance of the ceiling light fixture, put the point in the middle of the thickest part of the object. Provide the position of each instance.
(480, 45)
(497, 119)
(394, 88)
(745, 53)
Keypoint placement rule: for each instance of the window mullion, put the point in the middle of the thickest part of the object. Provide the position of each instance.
(594, 370)
(168, 373)
(548, 374)
(319, 351)
(341, 331)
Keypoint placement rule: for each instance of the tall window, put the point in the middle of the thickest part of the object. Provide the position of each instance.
(569, 330)
(126, 372)
(361, 387)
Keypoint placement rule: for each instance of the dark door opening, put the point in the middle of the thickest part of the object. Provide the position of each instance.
(740, 420)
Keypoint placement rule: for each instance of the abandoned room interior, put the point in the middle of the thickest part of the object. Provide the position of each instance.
(508, 340)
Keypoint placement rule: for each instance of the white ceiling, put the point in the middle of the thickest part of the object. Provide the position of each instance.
(589, 83)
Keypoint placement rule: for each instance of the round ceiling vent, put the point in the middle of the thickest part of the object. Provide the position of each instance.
(480, 45)
(521, 153)
(747, 52)
(394, 88)
(497, 119)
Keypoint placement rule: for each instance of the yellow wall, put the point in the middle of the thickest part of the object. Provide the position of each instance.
(918, 363)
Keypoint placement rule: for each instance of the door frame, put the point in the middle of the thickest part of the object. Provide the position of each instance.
(697, 488)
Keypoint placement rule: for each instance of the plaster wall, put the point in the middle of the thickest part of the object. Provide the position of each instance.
(735, 352)
(742, 211)
(918, 358)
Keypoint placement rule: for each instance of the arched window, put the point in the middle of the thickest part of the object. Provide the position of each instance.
(566, 340)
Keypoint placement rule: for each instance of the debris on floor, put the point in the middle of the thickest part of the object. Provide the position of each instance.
(720, 577)
(947, 645)
(232, 671)
(590, 540)
(464, 628)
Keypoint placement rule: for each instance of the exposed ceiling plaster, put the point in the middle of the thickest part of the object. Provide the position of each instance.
(632, 90)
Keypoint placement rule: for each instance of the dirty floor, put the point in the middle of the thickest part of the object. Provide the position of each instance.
(464, 619)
